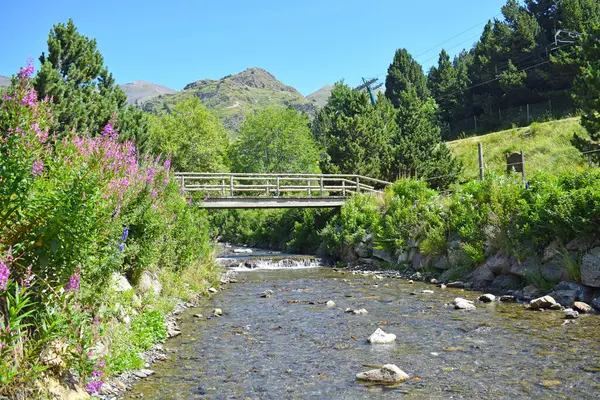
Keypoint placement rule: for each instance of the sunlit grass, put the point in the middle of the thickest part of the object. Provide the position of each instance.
(546, 146)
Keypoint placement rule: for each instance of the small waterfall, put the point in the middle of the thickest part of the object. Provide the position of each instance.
(269, 263)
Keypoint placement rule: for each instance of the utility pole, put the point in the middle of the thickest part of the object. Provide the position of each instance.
(371, 85)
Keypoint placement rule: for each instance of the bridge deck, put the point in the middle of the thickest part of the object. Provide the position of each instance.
(272, 202)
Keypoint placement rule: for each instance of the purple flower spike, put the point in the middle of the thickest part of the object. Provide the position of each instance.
(37, 168)
(4, 273)
(74, 282)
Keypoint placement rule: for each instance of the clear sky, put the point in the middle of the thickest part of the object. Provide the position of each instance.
(305, 44)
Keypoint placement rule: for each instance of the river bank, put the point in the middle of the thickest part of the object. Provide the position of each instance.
(292, 345)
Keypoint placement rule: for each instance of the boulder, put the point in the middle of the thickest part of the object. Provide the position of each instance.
(552, 272)
(482, 276)
(507, 299)
(455, 256)
(242, 251)
(330, 304)
(149, 283)
(403, 258)
(530, 291)
(217, 312)
(442, 263)
(571, 314)
(552, 250)
(363, 250)
(504, 282)
(380, 337)
(487, 298)
(419, 261)
(212, 290)
(582, 307)
(388, 374)
(267, 294)
(542, 303)
(530, 265)
(565, 293)
(456, 284)
(360, 311)
(590, 268)
(580, 243)
(499, 264)
(463, 304)
(383, 255)
(348, 255)
(596, 304)
(119, 283)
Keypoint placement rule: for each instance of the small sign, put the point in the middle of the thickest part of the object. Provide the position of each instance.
(515, 162)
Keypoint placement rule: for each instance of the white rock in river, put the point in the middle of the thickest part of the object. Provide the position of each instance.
(330, 303)
(242, 251)
(217, 312)
(487, 298)
(544, 302)
(361, 311)
(463, 304)
(380, 337)
(389, 373)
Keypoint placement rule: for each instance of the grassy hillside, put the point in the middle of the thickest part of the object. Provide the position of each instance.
(547, 147)
(233, 97)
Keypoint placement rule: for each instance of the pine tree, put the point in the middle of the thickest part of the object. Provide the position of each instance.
(402, 72)
(443, 85)
(418, 147)
(355, 135)
(587, 93)
(84, 92)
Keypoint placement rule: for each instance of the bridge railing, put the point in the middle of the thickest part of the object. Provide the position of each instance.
(245, 184)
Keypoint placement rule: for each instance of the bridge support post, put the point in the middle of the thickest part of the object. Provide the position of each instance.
(277, 186)
(223, 187)
(343, 187)
(231, 185)
(308, 182)
(268, 189)
(321, 186)
(357, 184)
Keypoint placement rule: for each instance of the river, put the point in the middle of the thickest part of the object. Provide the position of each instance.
(292, 346)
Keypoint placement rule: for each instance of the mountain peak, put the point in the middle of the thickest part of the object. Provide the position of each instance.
(4, 81)
(142, 91)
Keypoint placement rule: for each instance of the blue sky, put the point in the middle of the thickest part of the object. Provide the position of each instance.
(305, 44)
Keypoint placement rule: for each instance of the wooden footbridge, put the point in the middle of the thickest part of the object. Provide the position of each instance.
(230, 190)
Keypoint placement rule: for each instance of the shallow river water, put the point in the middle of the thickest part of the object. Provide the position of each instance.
(292, 346)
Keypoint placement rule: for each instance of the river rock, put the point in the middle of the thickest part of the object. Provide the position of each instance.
(456, 284)
(380, 337)
(360, 311)
(596, 304)
(487, 298)
(242, 251)
(149, 282)
(530, 291)
(507, 298)
(217, 312)
(528, 266)
(330, 303)
(463, 304)
(571, 314)
(212, 290)
(590, 268)
(427, 291)
(582, 307)
(504, 282)
(267, 294)
(433, 281)
(542, 303)
(553, 272)
(482, 276)
(565, 293)
(389, 373)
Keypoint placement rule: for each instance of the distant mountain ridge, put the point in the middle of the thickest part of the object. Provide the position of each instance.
(4, 81)
(139, 92)
(232, 97)
(320, 97)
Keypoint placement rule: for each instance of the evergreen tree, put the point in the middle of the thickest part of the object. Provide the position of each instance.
(443, 85)
(402, 72)
(354, 134)
(587, 93)
(192, 137)
(84, 92)
(418, 148)
(276, 140)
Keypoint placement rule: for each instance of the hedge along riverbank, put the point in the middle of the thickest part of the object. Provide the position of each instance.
(543, 230)
(76, 213)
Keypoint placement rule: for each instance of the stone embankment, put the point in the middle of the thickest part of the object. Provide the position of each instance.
(569, 273)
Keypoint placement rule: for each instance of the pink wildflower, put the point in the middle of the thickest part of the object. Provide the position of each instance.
(37, 168)
(168, 163)
(27, 71)
(4, 273)
(74, 282)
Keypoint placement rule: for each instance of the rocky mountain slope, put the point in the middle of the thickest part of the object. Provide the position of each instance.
(234, 96)
(320, 97)
(4, 81)
(141, 91)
